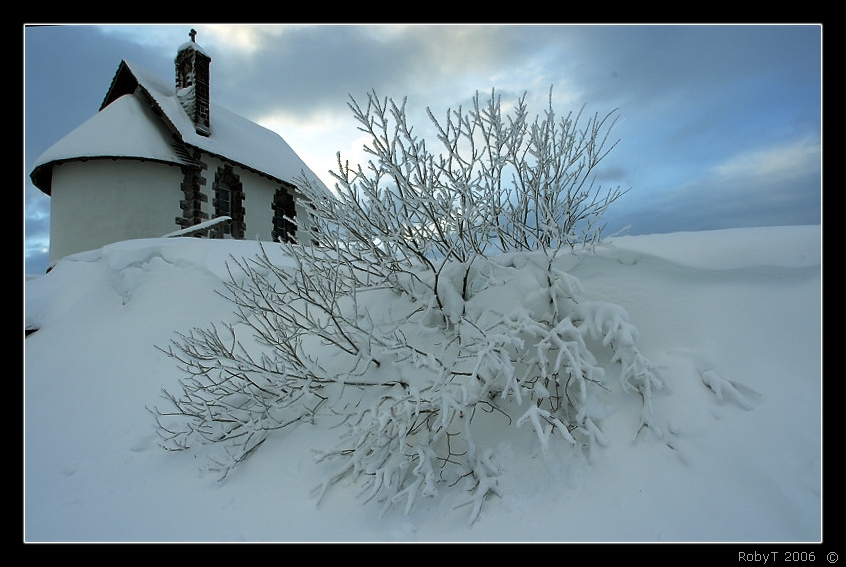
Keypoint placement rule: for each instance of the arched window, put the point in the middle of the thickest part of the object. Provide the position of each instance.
(284, 211)
(229, 201)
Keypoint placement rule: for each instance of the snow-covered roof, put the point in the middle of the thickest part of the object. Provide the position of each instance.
(125, 128)
(232, 136)
(192, 45)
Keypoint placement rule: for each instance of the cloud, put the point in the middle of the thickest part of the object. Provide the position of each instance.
(37, 204)
(714, 120)
(767, 164)
(242, 39)
(308, 70)
(770, 186)
(157, 36)
(36, 244)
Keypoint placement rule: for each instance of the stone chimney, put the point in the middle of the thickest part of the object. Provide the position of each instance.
(192, 83)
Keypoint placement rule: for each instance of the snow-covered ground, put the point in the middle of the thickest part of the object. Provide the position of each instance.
(745, 303)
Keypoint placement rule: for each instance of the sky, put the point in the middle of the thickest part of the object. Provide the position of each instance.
(731, 319)
(720, 126)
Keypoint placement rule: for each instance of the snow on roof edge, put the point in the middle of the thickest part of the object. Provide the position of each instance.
(234, 137)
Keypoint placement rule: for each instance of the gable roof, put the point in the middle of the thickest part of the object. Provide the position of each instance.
(106, 135)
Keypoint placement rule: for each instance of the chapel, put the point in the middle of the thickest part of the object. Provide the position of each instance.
(160, 158)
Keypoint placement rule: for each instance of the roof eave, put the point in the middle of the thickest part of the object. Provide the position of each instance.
(123, 82)
(42, 175)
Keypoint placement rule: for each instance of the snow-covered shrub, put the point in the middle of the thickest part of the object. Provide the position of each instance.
(430, 292)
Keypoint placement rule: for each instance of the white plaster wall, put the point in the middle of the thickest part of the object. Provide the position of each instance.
(101, 201)
(304, 216)
(258, 198)
(258, 204)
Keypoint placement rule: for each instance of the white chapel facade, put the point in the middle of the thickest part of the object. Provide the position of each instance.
(160, 158)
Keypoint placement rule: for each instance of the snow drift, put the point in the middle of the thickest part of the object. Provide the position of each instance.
(731, 318)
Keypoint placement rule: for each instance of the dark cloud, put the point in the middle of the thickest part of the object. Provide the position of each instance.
(304, 71)
(35, 261)
(704, 211)
(792, 197)
(691, 99)
(642, 63)
(704, 90)
(67, 71)
(311, 70)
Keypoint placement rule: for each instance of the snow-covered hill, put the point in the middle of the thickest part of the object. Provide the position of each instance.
(743, 302)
